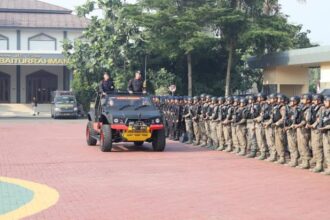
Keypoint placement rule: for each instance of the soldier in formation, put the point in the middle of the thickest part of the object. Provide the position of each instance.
(292, 131)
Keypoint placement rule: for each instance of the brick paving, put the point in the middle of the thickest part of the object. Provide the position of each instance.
(184, 182)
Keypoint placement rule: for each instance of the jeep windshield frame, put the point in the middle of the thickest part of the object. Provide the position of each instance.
(128, 102)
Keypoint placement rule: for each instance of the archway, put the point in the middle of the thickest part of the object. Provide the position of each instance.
(40, 85)
(4, 88)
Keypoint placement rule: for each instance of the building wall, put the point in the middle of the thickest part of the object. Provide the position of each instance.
(296, 76)
(27, 33)
(11, 34)
(325, 76)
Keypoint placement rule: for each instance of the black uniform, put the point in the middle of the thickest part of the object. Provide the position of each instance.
(107, 86)
(135, 85)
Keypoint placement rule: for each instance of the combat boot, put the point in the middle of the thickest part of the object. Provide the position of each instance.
(196, 143)
(189, 141)
(293, 163)
(304, 164)
(242, 152)
(327, 171)
(262, 156)
(228, 149)
(221, 148)
(252, 154)
(318, 168)
(236, 151)
(281, 160)
(272, 158)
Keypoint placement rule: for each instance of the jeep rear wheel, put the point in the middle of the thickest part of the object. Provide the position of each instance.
(159, 140)
(106, 138)
(89, 135)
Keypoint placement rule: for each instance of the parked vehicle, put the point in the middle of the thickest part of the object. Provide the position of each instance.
(64, 105)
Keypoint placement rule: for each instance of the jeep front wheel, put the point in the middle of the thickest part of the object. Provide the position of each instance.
(159, 140)
(89, 135)
(106, 138)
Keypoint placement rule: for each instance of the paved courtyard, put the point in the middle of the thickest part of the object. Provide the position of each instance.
(184, 182)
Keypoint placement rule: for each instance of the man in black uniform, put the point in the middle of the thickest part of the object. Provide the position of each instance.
(136, 85)
(106, 85)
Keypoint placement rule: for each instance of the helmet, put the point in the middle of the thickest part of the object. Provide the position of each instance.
(203, 96)
(230, 99)
(262, 96)
(196, 98)
(189, 99)
(214, 99)
(318, 97)
(281, 97)
(208, 97)
(307, 96)
(252, 97)
(272, 96)
(295, 99)
(243, 101)
(236, 99)
(327, 98)
(221, 99)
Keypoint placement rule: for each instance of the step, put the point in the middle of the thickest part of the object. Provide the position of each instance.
(23, 110)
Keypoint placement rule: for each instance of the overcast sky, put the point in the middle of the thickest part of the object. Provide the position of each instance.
(313, 15)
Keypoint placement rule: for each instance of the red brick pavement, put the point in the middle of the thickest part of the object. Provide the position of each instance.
(184, 182)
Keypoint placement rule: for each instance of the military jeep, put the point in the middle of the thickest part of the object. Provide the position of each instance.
(124, 117)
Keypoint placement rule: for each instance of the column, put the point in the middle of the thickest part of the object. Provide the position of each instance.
(18, 84)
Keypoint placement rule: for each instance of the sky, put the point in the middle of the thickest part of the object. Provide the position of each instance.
(314, 15)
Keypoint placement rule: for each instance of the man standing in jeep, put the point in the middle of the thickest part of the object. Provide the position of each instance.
(106, 85)
(136, 85)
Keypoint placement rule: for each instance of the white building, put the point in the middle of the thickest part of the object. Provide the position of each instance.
(31, 60)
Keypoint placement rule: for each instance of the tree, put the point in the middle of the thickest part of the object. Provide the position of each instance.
(203, 43)
(174, 29)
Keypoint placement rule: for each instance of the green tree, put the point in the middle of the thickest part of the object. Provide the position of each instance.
(174, 29)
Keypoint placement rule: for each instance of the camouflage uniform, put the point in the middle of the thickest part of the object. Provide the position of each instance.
(260, 130)
(293, 117)
(324, 127)
(220, 130)
(241, 115)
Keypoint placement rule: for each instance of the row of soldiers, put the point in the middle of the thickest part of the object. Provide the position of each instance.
(294, 131)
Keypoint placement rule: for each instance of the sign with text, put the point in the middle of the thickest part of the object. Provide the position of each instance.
(33, 59)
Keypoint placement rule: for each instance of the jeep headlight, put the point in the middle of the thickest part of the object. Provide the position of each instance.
(57, 109)
(75, 109)
(115, 120)
(157, 120)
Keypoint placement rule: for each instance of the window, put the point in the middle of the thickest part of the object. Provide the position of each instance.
(4, 42)
(42, 42)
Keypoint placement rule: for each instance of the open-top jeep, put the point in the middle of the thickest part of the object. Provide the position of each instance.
(123, 117)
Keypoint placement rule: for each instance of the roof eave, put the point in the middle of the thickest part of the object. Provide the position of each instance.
(308, 56)
(43, 11)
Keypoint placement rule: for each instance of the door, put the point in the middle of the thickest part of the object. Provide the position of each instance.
(40, 85)
(4, 88)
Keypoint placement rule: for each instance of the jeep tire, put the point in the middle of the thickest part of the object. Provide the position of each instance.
(89, 134)
(106, 138)
(159, 140)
